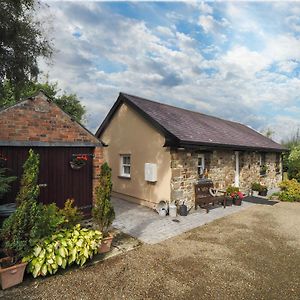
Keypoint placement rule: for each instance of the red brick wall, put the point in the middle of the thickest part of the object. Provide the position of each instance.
(97, 162)
(41, 121)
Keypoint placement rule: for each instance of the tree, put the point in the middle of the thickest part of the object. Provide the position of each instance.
(22, 42)
(67, 102)
(268, 133)
(293, 163)
(103, 210)
(29, 189)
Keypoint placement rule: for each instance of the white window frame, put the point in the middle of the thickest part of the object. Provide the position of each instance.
(123, 165)
(202, 166)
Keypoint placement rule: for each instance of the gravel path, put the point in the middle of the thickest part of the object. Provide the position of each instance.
(254, 254)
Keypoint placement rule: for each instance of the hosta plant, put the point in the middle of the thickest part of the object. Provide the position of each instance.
(64, 248)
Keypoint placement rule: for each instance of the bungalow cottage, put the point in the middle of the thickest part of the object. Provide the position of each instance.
(157, 152)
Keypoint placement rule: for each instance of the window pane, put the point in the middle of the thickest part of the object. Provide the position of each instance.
(126, 170)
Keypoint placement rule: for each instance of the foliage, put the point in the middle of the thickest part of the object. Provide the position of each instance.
(5, 182)
(29, 189)
(293, 163)
(290, 190)
(71, 214)
(22, 42)
(236, 196)
(103, 211)
(63, 248)
(231, 189)
(255, 186)
(30, 222)
(67, 102)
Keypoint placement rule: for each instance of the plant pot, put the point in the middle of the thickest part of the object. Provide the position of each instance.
(229, 201)
(238, 202)
(263, 193)
(13, 275)
(255, 193)
(75, 166)
(105, 244)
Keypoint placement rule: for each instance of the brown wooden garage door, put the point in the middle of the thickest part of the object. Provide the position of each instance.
(62, 182)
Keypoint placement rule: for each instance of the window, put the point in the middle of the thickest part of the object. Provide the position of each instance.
(201, 165)
(263, 165)
(125, 165)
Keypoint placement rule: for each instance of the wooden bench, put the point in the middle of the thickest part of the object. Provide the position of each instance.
(203, 197)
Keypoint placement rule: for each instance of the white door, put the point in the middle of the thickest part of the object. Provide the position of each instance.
(237, 170)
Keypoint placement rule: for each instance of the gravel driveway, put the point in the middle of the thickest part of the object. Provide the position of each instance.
(254, 254)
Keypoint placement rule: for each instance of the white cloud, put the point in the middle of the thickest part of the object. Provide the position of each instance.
(116, 53)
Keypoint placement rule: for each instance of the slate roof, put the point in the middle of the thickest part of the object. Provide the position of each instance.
(183, 127)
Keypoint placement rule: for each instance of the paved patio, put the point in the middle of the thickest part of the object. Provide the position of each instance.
(146, 225)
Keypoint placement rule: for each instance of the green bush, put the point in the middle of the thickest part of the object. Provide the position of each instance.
(290, 190)
(293, 163)
(29, 189)
(255, 186)
(5, 182)
(103, 210)
(62, 249)
(30, 222)
(71, 214)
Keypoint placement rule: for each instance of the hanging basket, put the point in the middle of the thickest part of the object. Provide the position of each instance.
(76, 166)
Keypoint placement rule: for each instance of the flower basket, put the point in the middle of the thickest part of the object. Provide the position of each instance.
(78, 162)
(13, 275)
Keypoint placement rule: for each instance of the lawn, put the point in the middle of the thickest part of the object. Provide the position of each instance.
(253, 254)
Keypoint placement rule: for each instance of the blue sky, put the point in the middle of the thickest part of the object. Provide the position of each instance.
(236, 60)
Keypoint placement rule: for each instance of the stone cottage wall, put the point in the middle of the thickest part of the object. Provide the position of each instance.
(221, 169)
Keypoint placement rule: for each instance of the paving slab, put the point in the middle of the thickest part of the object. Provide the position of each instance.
(145, 224)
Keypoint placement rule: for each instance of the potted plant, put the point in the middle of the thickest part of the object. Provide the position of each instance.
(255, 187)
(78, 162)
(237, 198)
(103, 212)
(229, 191)
(263, 191)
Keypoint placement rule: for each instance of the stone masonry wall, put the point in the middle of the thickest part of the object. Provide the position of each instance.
(221, 169)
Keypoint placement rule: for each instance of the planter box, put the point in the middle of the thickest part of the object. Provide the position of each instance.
(11, 276)
(105, 244)
(238, 202)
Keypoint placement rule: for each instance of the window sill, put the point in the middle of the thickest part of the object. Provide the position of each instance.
(124, 177)
(263, 175)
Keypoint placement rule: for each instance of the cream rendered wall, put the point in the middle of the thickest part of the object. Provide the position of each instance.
(129, 133)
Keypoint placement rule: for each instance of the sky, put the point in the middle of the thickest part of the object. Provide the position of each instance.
(235, 60)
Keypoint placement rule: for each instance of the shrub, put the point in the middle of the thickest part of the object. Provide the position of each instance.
(255, 186)
(29, 189)
(30, 222)
(5, 182)
(63, 248)
(71, 214)
(290, 190)
(103, 211)
(293, 163)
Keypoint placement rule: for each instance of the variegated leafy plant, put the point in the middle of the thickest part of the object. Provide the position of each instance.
(62, 249)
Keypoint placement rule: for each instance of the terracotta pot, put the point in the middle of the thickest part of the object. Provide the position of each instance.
(106, 244)
(13, 275)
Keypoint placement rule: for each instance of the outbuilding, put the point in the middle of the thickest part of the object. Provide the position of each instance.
(38, 123)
